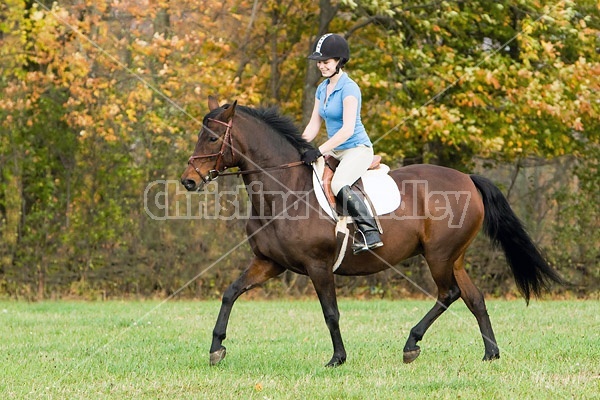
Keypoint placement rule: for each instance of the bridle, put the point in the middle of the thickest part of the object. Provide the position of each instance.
(214, 173)
(220, 167)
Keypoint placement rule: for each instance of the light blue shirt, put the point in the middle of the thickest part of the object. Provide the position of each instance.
(332, 112)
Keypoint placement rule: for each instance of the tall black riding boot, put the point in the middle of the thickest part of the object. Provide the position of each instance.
(369, 233)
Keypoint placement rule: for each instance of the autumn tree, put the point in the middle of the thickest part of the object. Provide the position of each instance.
(99, 99)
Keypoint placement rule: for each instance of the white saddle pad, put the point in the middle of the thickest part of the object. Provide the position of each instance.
(379, 186)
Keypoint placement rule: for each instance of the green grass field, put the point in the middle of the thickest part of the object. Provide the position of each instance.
(277, 349)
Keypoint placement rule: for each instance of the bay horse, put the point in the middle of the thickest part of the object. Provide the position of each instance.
(287, 231)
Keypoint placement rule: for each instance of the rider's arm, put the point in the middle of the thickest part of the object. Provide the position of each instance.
(314, 125)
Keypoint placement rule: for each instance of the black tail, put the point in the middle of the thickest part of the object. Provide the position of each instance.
(531, 271)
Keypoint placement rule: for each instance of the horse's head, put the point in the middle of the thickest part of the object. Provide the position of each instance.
(214, 152)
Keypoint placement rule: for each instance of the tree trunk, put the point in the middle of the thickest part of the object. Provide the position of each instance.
(9, 232)
(162, 22)
(41, 280)
(274, 80)
(327, 12)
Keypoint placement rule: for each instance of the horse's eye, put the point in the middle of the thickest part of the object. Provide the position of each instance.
(213, 138)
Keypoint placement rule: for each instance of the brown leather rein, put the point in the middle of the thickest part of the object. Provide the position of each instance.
(219, 168)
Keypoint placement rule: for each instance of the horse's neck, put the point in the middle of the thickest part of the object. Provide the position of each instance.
(273, 187)
(266, 150)
(284, 179)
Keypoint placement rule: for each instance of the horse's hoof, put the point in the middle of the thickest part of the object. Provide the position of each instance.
(411, 355)
(217, 356)
(491, 357)
(335, 362)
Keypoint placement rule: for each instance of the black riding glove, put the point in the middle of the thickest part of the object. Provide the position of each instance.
(310, 156)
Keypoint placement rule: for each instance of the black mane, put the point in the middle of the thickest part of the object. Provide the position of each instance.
(282, 124)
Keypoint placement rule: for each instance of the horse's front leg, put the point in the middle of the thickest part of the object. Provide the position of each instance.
(323, 281)
(259, 271)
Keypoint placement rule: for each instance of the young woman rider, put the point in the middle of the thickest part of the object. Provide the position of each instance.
(338, 103)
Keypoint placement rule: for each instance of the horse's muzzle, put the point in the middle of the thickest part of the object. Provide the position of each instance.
(189, 184)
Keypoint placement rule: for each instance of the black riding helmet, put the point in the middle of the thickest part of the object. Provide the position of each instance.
(329, 46)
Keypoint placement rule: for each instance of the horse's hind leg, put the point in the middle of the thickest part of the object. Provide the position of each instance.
(259, 271)
(448, 293)
(473, 298)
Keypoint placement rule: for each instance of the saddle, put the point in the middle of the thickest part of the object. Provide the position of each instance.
(383, 196)
(331, 164)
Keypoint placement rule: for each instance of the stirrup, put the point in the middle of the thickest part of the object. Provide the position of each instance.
(361, 246)
(358, 246)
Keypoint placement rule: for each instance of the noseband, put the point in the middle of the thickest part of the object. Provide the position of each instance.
(219, 167)
(227, 141)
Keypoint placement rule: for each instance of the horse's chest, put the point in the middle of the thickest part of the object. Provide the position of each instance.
(288, 247)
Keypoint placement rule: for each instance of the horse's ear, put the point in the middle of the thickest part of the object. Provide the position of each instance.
(229, 112)
(213, 103)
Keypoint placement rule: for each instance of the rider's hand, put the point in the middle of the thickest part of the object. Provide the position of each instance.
(310, 156)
